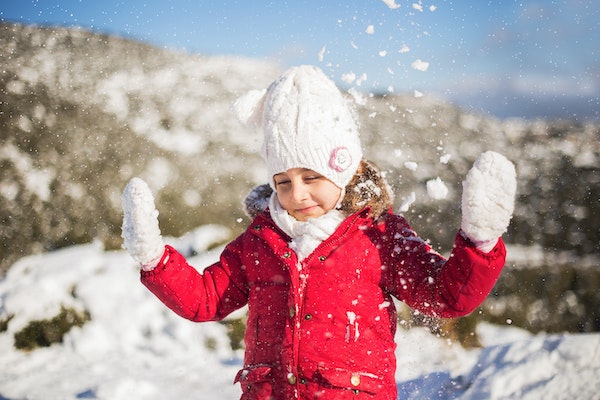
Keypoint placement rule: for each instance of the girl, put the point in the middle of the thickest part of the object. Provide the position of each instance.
(324, 254)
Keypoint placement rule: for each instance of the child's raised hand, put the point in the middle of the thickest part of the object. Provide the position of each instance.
(140, 230)
(488, 199)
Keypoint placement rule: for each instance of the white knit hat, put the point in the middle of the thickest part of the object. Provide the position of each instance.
(307, 123)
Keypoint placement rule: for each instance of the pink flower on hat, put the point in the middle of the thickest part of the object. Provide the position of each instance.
(341, 159)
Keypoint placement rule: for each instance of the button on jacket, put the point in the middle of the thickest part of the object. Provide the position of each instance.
(324, 327)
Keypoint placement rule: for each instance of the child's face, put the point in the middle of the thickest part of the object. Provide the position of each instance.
(305, 194)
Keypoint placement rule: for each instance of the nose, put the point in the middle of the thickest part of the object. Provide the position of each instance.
(299, 192)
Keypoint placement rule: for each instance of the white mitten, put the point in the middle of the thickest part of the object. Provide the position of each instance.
(488, 199)
(140, 230)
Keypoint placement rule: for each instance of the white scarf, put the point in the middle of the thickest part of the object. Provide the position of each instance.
(306, 236)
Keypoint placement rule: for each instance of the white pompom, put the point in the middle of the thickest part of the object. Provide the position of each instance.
(248, 108)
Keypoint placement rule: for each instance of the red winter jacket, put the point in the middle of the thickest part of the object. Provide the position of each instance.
(324, 328)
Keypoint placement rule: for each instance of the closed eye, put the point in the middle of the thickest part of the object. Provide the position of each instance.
(282, 182)
(312, 178)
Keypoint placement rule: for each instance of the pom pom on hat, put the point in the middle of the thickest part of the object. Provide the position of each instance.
(307, 123)
(248, 108)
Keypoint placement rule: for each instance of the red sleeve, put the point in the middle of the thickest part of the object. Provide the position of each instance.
(434, 285)
(208, 296)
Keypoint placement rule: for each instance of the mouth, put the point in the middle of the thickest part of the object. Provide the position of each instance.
(306, 211)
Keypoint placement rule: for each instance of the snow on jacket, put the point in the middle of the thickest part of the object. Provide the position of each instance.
(324, 327)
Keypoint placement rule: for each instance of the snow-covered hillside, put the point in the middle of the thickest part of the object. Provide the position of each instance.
(82, 113)
(134, 348)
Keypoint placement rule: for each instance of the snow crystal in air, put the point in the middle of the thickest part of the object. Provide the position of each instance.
(436, 189)
(349, 77)
(420, 65)
(361, 79)
(352, 322)
(407, 202)
(370, 29)
(322, 53)
(391, 4)
(417, 6)
(411, 165)
(357, 96)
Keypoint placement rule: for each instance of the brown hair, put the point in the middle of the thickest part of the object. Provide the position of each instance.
(367, 188)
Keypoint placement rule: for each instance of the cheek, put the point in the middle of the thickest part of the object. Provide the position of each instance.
(331, 200)
(284, 199)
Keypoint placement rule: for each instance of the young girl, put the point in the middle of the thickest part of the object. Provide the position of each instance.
(324, 254)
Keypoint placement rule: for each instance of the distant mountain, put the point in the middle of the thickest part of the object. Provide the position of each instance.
(82, 113)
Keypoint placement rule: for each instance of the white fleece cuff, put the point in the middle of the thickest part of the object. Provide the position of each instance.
(487, 245)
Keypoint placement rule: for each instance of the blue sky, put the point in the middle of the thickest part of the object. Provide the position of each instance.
(509, 58)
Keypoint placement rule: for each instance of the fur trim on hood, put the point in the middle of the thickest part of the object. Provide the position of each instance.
(257, 200)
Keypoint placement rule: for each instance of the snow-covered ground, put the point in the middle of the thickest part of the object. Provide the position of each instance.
(134, 348)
